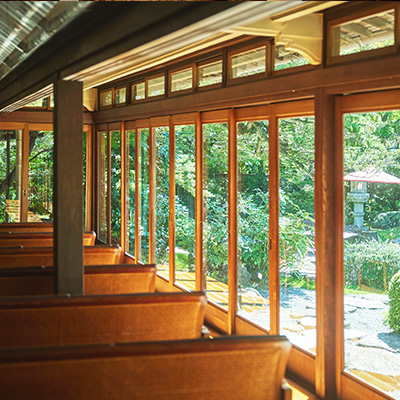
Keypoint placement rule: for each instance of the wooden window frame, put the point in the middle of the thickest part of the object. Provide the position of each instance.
(338, 59)
(204, 63)
(285, 71)
(182, 69)
(243, 49)
(105, 107)
(132, 85)
(349, 386)
(115, 96)
(159, 96)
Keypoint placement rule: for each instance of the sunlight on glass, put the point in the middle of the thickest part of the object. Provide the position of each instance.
(138, 91)
(253, 222)
(285, 59)
(120, 95)
(156, 86)
(248, 63)
(372, 249)
(103, 186)
(115, 175)
(106, 98)
(296, 232)
(182, 80)
(210, 74)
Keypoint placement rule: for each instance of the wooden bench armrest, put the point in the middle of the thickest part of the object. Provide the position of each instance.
(286, 391)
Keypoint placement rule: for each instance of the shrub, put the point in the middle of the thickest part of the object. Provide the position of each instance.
(372, 262)
(394, 303)
(387, 220)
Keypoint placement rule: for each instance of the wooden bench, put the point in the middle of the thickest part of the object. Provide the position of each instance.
(104, 279)
(33, 256)
(62, 320)
(234, 368)
(37, 239)
(27, 227)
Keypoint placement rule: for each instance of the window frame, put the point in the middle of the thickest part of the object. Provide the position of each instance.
(116, 88)
(204, 63)
(338, 59)
(105, 107)
(186, 67)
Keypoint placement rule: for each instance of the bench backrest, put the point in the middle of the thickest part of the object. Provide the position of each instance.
(27, 227)
(104, 279)
(38, 239)
(61, 320)
(31, 256)
(234, 368)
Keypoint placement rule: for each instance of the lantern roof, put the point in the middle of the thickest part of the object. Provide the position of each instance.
(373, 176)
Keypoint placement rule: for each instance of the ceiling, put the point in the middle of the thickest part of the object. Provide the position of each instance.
(26, 25)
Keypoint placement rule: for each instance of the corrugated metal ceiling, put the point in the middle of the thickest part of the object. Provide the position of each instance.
(25, 25)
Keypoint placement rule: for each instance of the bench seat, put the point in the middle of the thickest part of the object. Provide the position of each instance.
(38, 239)
(34, 256)
(231, 368)
(104, 279)
(26, 227)
(62, 320)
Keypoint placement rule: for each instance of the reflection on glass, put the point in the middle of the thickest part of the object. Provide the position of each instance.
(138, 91)
(10, 175)
(115, 187)
(296, 232)
(182, 80)
(253, 222)
(103, 192)
(162, 198)
(371, 248)
(185, 191)
(156, 86)
(210, 74)
(131, 176)
(285, 59)
(248, 63)
(120, 95)
(40, 178)
(215, 226)
(144, 196)
(106, 98)
(366, 33)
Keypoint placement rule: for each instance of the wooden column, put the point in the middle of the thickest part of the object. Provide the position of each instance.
(68, 205)
(232, 224)
(326, 226)
(24, 174)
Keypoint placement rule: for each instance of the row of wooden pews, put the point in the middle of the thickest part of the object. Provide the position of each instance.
(120, 340)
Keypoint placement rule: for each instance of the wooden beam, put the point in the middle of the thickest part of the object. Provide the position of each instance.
(68, 215)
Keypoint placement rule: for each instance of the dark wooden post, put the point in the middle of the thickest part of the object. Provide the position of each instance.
(68, 205)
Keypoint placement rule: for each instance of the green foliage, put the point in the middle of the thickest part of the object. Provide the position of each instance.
(387, 220)
(371, 263)
(394, 303)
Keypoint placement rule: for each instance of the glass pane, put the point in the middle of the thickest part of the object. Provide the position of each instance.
(143, 239)
(138, 91)
(248, 63)
(10, 175)
(185, 192)
(253, 222)
(103, 186)
(120, 95)
(40, 178)
(162, 199)
(131, 176)
(296, 232)
(372, 249)
(115, 187)
(156, 86)
(215, 227)
(210, 74)
(362, 34)
(106, 98)
(182, 80)
(285, 59)
(38, 103)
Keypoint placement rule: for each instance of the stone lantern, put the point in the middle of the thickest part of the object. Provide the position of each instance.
(359, 196)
